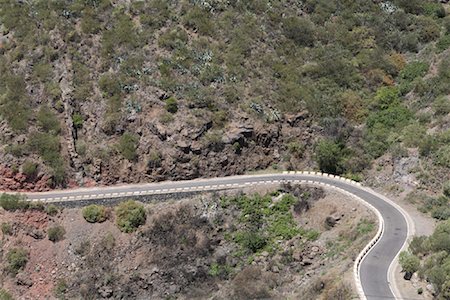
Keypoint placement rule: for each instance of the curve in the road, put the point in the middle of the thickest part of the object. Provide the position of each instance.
(373, 265)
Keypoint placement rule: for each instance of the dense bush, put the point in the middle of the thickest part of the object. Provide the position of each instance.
(14, 102)
(48, 147)
(56, 233)
(413, 70)
(94, 213)
(127, 146)
(300, 30)
(51, 210)
(13, 202)
(443, 156)
(17, 259)
(264, 222)
(6, 228)
(123, 34)
(410, 263)
(173, 38)
(441, 105)
(130, 215)
(329, 156)
(199, 20)
(48, 121)
(30, 169)
(253, 241)
(446, 189)
(172, 105)
(435, 253)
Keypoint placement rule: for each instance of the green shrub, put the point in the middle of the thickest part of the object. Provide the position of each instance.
(4, 295)
(42, 71)
(446, 189)
(30, 169)
(443, 156)
(300, 30)
(172, 105)
(409, 263)
(6, 229)
(413, 135)
(56, 233)
(364, 226)
(413, 70)
(15, 104)
(17, 259)
(251, 240)
(13, 202)
(77, 120)
(443, 43)
(127, 146)
(46, 145)
(441, 213)
(441, 106)
(90, 24)
(51, 210)
(329, 156)
(48, 121)
(434, 9)
(173, 38)
(130, 215)
(156, 14)
(109, 84)
(296, 149)
(82, 83)
(418, 245)
(200, 20)
(94, 213)
(122, 34)
(60, 289)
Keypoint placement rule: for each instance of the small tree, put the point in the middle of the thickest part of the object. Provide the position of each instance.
(328, 156)
(94, 213)
(410, 264)
(130, 215)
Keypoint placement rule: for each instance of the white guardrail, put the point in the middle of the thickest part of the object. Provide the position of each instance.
(361, 255)
(375, 239)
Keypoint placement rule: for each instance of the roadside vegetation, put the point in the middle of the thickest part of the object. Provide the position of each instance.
(430, 258)
(372, 76)
(130, 215)
(16, 259)
(95, 213)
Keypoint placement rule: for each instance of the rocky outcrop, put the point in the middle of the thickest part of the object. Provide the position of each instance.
(11, 180)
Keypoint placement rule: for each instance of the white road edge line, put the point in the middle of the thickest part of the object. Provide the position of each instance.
(356, 268)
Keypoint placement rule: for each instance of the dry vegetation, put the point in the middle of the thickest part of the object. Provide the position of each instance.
(193, 249)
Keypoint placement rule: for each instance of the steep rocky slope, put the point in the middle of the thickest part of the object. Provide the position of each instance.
(198, 248)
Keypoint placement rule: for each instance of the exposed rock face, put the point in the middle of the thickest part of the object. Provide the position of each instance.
(175, 151)
(16, 181)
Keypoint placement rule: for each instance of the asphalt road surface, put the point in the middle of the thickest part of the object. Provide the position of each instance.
(374, 267)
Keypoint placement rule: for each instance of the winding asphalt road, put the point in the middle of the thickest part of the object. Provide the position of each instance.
(373, 270)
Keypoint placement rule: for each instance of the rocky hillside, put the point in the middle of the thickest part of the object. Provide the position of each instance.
(100, 92)
(296, 242)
